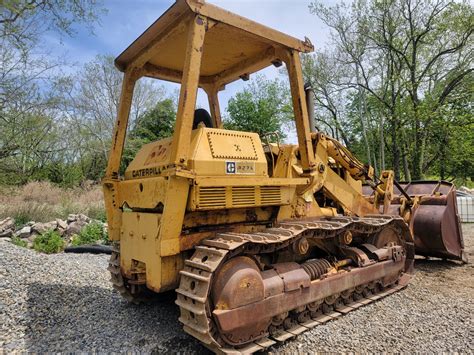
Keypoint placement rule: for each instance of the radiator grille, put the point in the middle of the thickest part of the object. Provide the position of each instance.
(243, 196)
(270, 195)
(215, 197)
(212, 197)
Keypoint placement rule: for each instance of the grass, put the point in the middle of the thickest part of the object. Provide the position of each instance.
(44, 202)
(90, 234)
(19, 242)
(97, 213)
(49, 242)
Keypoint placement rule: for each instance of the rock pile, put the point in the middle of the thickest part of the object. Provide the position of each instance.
(28, 232)
(7, 227)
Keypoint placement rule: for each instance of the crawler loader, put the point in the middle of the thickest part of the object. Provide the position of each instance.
(261, 241)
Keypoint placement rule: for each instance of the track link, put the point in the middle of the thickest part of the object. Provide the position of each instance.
(133, 293)
(196, 279)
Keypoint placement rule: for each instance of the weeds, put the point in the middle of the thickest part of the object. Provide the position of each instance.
(90, 234)
(19, 242)
(49, 242)
(97, 213)
(44, 202)
(23, 213)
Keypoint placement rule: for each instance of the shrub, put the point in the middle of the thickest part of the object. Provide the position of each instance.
(90, 234)
(98, 213)
(19, 242)
(49, 242)
(20, 216)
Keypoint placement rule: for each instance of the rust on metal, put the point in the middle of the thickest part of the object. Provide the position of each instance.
(244, 317)
(281, 299)
(435, 221)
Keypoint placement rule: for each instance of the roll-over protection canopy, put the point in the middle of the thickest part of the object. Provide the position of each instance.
(234, 46)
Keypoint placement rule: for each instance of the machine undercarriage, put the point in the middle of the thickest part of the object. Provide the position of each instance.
(236, 292)
(245, 292)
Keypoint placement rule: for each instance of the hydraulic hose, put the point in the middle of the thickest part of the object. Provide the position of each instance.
(89, 248)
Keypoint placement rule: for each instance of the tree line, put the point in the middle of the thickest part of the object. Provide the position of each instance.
(57, 118)
(394, 84)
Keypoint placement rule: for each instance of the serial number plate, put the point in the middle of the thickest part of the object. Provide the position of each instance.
(240, 167)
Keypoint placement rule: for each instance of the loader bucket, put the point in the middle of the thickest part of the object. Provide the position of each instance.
(435, 222)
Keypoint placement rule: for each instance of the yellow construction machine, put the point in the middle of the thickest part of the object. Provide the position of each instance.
(260, 241)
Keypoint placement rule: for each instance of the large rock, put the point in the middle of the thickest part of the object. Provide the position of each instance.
(6, 234)
(75, 227)
(24, 232)
(77, 217)
(41, 228)
(62, 227)
(61, 223)
(71, 218)
(83, 218)
(7, 224)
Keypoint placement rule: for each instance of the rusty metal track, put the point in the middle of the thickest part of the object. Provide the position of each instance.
(119, 283)
(196, 278)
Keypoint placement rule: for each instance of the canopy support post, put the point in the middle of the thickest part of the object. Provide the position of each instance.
(120, 129)
(188, 92)
(213, 98)
(300, 110)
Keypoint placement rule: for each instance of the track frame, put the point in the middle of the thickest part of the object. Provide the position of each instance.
(193, 294)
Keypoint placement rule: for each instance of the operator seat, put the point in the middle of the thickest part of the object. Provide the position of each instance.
(202, 116)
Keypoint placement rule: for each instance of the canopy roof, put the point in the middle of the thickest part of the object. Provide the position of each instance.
(233, 47)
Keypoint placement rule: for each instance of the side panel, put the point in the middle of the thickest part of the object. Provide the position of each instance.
(140, 245)
(153, 238)
(173, 215)
(143, 193)
(139, 242)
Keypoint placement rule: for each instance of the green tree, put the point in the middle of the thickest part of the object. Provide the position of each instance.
(29, 142)
(154, 124)
(22, 21)
(401, 63)
(30, 115)
(264, 106)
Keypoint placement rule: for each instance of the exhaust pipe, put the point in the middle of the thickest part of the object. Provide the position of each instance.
(309, 93)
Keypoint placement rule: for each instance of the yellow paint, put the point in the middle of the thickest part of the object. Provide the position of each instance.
(196, 183)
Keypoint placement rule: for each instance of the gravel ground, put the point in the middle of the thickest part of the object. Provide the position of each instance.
(65, 302)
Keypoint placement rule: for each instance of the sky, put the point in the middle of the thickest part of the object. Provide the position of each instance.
(127, 19)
